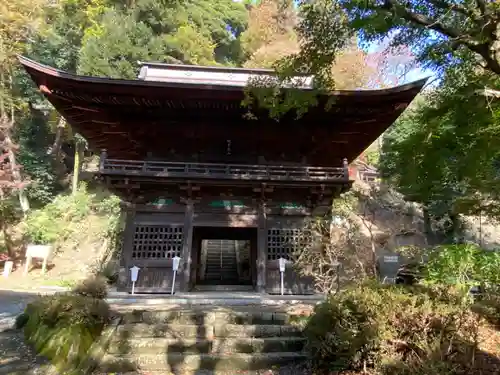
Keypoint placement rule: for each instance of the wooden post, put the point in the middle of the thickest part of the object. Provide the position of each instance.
(261, 248)
(187, 242)
(28, 264)
(102, 160)
(346, 168)
(125, 261)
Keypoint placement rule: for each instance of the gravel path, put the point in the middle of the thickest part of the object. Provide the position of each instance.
(16, 357)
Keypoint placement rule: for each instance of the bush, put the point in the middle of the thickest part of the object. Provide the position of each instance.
(64, 326)
(50, 224)
(94, 287)
(462, 264)
(390, 329)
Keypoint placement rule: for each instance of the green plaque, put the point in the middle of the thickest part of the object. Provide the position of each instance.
(226, 204)
(291, 205)
(161, 202)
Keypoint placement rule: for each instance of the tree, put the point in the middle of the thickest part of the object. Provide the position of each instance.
(436, 29)
(19, 20)
(443, 153)
(10, 183)
(346, 244)
(183, 31)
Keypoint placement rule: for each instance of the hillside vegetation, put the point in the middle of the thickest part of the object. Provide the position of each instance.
(85, 229)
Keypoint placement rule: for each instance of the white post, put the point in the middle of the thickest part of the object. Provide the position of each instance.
(7, 268)
(282, 263)
(175, 266)
(134, 273)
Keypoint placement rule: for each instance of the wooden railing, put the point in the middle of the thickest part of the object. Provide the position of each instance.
(222, 171)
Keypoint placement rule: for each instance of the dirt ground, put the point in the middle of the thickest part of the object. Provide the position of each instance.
(64, 271)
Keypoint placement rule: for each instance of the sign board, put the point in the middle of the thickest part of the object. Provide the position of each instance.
(282, 263)
(291, 206)
(7, 268)
(134, 273)
(175, 266)
(175, 263)
(161, 202)
(226, 204)
(391, 259)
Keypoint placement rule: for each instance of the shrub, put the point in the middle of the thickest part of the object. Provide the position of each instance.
(64, 326)
(462, 264)
(108, 271)
(387, 328)
(51, 224)
(21, 320)
(94, 287)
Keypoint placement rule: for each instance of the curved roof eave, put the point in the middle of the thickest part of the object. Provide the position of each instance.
(37, 68)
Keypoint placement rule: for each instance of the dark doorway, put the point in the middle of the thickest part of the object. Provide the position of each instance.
(225, 256)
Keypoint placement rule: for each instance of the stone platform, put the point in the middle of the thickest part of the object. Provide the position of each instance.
(209, 298)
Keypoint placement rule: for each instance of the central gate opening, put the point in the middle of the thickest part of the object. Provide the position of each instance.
(226, 256)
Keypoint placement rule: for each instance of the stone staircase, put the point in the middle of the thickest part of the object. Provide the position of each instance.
(222, 264)
(183, 341)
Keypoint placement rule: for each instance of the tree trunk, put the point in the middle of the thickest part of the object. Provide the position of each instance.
(23, 199)
(428, 232)
(56, 146)
(77, 166)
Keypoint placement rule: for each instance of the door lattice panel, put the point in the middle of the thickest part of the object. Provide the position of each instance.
(283, 243)
(157, 241)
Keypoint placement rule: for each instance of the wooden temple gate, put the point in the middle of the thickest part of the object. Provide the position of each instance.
(192, 166)
(155, 235)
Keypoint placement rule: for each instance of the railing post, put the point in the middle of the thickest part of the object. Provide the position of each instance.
(102, 161)
(346, 168)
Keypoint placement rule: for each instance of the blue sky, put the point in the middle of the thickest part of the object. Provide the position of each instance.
(413, 75)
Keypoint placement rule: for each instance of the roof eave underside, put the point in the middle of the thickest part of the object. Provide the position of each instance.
(89, 103)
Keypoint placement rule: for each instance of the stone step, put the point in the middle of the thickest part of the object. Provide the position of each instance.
(148, 346)
(220, 330)
(224, 288)
(179, 362)
(206, 317)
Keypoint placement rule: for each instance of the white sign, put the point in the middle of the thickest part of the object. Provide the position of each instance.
(38, 252)
(7, 268)
(134, 274)
(391, 259)
(175, 266)
(282, 263)
(175, 263)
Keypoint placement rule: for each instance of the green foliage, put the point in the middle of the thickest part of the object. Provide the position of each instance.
(69, 217)
(443, 153)
(34, 138)
(50, 224)
(323, 34)
(184, 31)
(439, 32)
(391, 330)
(464, 265)
(63, 327)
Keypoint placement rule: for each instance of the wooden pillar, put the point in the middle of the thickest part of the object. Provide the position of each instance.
(345, 165)
(262, 248)
(102, 161)
(125, 260)
(187, 243)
